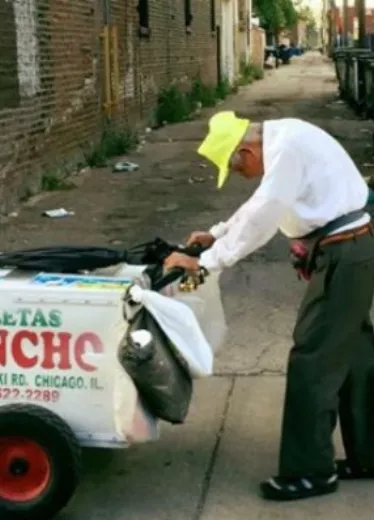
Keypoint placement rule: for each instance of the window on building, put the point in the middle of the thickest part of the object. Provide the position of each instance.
(242, 15)
(188, 15)
(143, 11)
(241, 10)
(213, 15)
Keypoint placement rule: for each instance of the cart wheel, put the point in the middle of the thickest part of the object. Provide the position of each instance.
(39, 463)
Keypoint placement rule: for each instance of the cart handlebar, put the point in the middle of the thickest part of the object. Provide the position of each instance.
(170, 277)
(174, 274)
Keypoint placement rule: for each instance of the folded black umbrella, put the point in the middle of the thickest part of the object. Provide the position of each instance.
(62, 259)
(74, 259)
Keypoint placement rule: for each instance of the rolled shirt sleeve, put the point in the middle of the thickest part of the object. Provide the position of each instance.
(257, 221)
(219, 230)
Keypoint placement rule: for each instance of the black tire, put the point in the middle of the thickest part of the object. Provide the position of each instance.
(38, 427)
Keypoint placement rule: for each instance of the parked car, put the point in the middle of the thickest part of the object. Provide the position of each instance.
(285, 54)
(282, 52)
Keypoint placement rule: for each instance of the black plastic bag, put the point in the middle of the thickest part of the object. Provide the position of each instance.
(163, 383)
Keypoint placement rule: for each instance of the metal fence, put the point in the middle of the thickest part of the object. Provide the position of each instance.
(355, 74)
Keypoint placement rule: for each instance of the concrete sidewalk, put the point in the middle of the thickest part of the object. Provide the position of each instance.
(209, 468)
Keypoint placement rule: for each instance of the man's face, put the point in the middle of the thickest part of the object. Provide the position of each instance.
(247, 160)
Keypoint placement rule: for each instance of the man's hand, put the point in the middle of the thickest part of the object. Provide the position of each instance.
(201, 237)
(188, 263)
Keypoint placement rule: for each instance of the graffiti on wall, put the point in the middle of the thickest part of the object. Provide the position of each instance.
(19, 52)
(27, 47)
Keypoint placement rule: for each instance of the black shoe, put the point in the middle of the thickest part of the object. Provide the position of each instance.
(281, 488)
(348, 471)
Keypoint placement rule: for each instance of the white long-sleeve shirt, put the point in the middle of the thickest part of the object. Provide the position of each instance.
(309, 180)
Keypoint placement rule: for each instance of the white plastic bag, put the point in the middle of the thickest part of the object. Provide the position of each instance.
(206, 304)
(180, 325)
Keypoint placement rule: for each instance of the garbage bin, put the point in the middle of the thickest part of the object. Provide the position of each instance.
(367, 63)
(348, 62)
(341, 72)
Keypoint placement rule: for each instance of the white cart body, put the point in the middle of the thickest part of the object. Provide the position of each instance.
(59, 337)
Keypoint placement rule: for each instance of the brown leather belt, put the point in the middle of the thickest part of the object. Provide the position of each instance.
(345, 236)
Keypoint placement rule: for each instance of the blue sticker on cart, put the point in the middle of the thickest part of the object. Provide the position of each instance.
(82, 282)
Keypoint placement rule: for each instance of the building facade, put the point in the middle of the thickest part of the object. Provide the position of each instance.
(234, 25)
(67, 66)
(335, 34)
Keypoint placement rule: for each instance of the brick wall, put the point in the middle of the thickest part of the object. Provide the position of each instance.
(258, 43)
(298, 33)
(49, 49)
(171, 55)
(52, 77)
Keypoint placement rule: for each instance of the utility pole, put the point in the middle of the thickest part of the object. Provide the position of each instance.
(361, 15)
(324, 26)
(332, 32)
(345, 24)
(361, 44)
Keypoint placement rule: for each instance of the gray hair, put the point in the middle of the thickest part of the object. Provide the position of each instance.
(254, 132)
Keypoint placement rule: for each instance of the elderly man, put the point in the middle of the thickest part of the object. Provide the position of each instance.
(313, 193)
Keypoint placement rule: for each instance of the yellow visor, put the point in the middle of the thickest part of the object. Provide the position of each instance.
(226, 131)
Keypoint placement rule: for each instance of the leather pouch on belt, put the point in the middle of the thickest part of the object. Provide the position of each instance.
(302, 256)
(303, 251)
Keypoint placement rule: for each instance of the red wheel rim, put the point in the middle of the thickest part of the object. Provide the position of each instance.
(25, 469)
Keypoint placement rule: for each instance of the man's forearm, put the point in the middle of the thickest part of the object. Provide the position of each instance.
(219, 230)
(256, 224)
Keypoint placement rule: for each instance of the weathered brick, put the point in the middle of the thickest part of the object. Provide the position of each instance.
(52, 77)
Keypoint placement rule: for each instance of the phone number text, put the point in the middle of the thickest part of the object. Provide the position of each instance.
(29, 394)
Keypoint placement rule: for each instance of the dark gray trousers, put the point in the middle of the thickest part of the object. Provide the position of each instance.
(331, 366)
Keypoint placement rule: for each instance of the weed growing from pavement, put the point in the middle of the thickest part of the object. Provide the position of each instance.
(223, 89)
(26, 194)
(54, 182)
(249, 72)
(55, 177)
(114, 141)
(175, 105)
(202, 94)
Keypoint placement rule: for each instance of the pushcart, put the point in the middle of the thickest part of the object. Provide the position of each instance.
(61, 385)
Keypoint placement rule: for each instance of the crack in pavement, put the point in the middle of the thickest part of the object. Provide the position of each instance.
(252, 373)
(221, 430)
(261, 355)
(212, 462)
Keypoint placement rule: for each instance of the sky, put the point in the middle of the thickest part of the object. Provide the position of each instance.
(369, 3)
(316, 5)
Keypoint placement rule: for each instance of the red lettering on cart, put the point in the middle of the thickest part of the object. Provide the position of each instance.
(49, 350)
(52, 350)
(19, 356)
(84, 340)
(3, 336)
